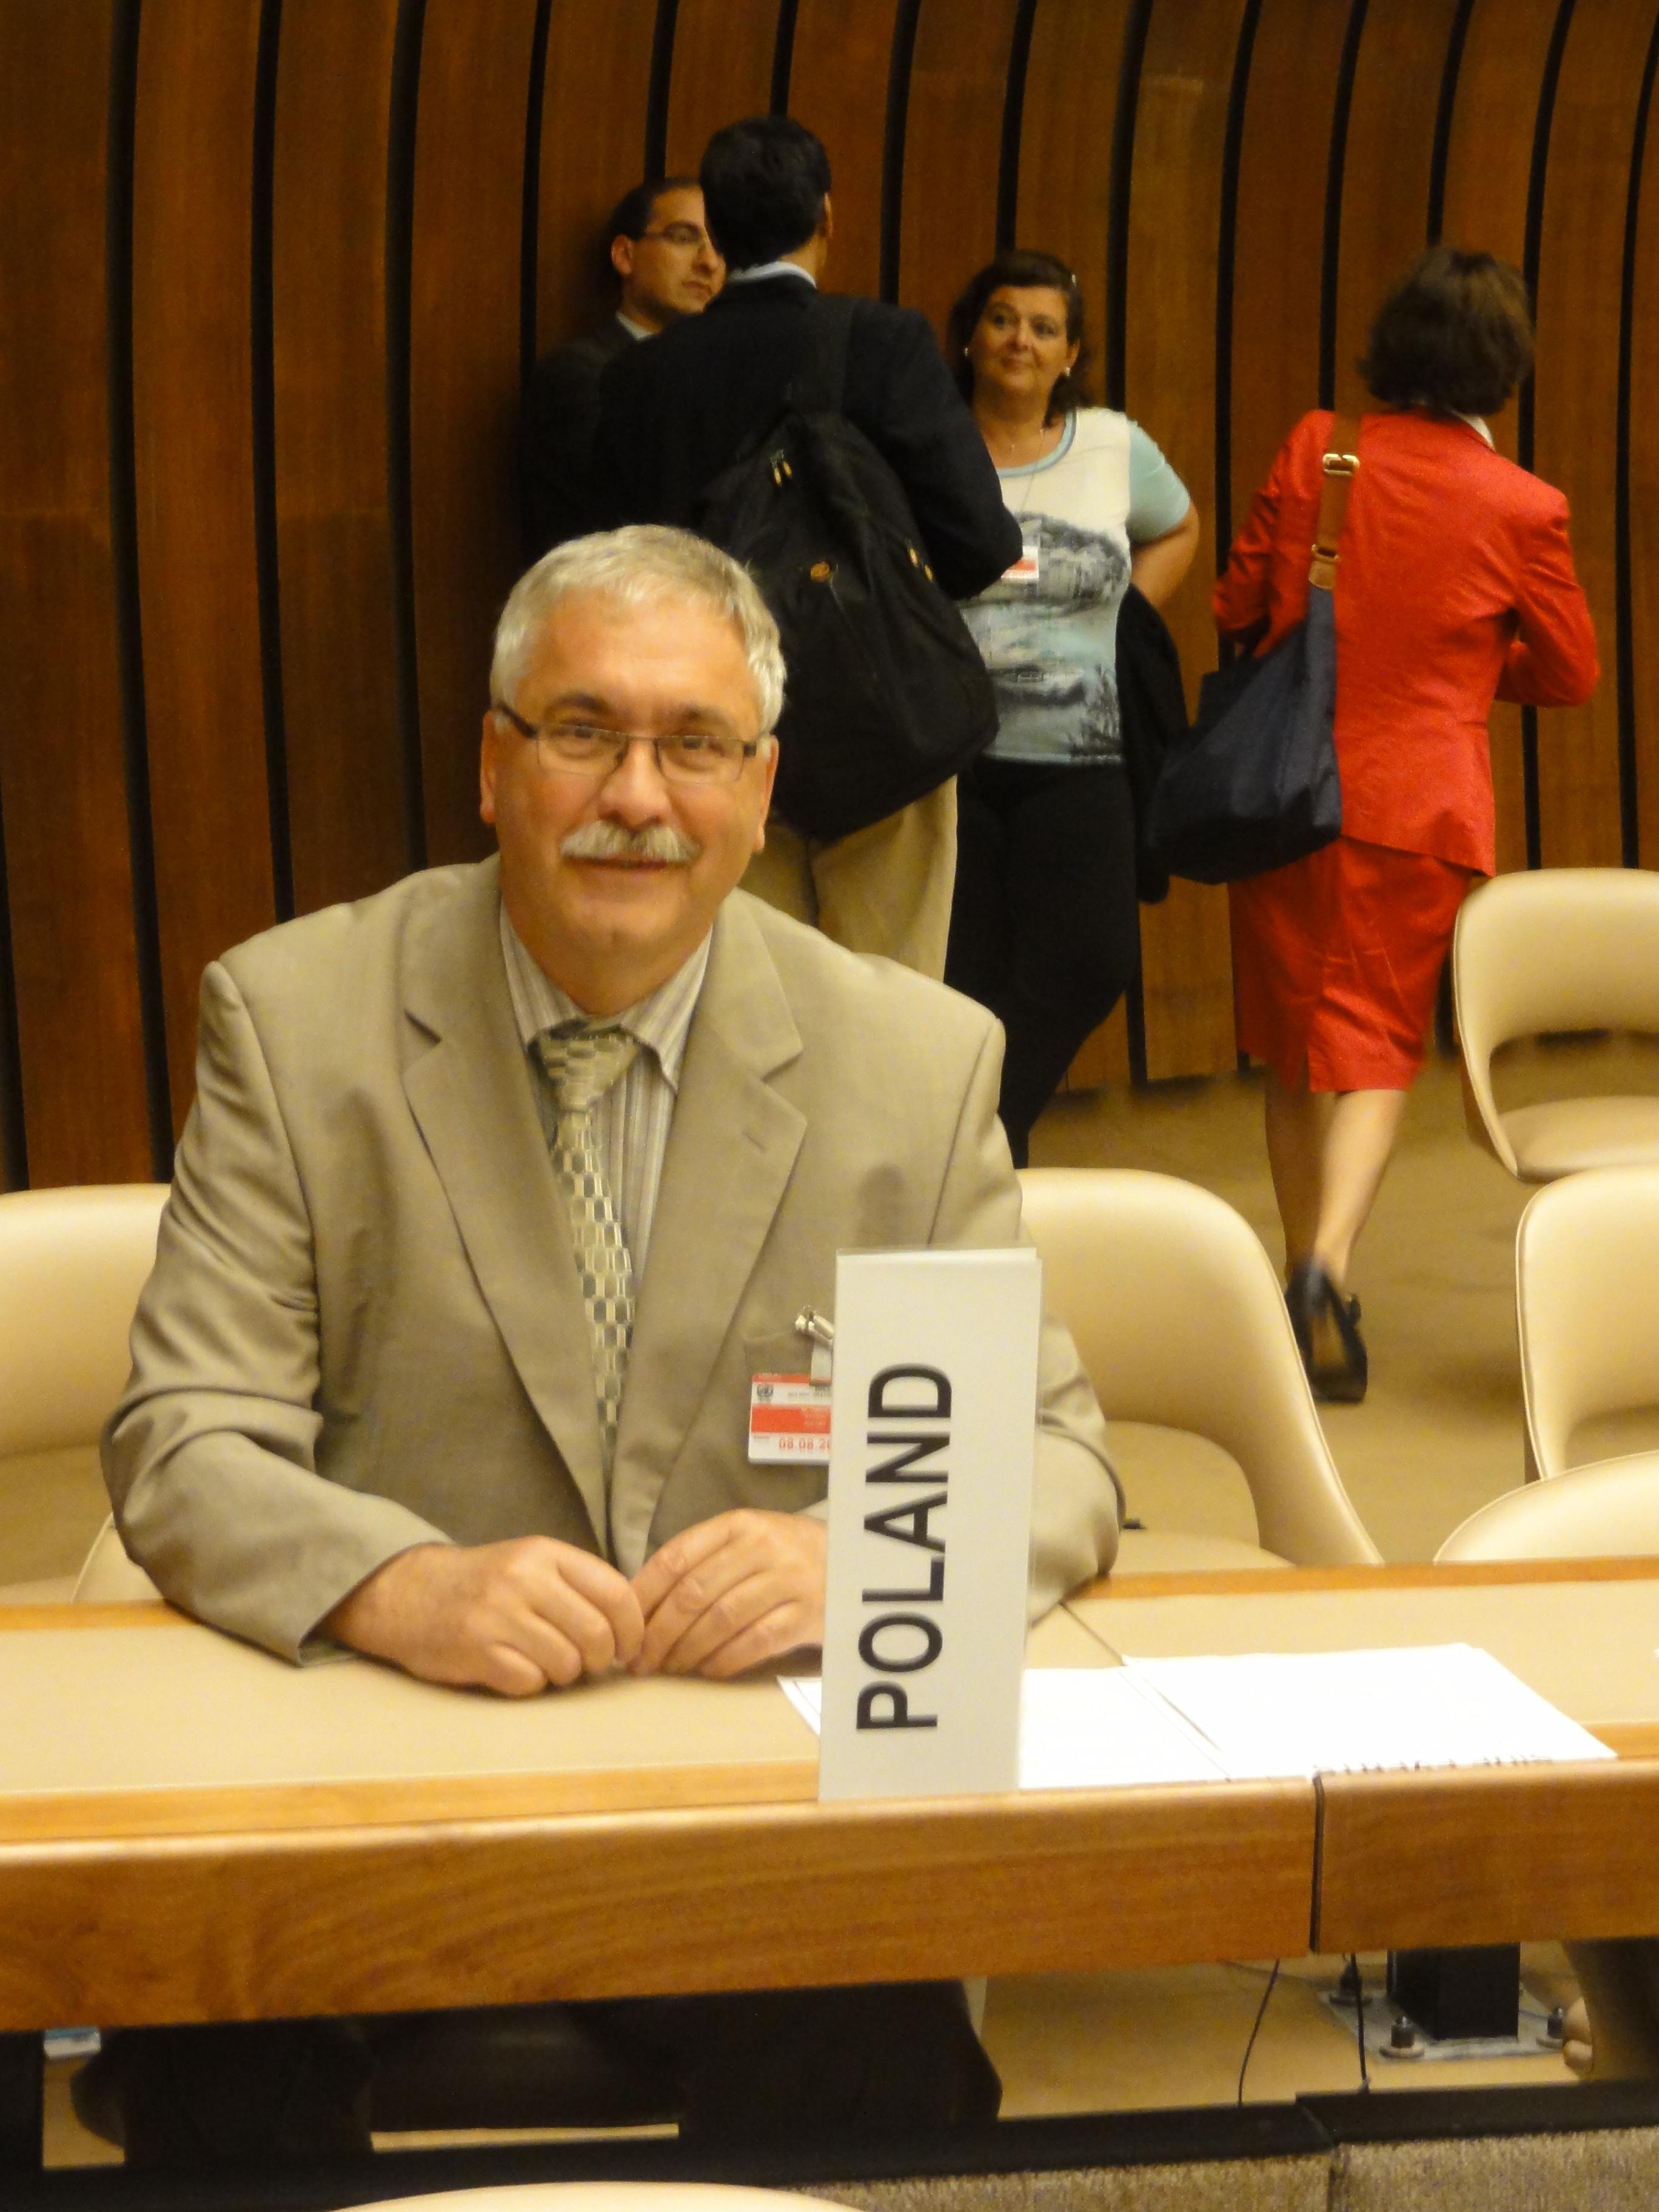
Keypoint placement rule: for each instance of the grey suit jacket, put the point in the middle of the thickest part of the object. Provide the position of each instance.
(364, 1329)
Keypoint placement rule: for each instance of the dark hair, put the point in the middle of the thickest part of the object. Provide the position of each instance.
(764, 182)
(631, 216)
(1021, 270)
(1455, 333)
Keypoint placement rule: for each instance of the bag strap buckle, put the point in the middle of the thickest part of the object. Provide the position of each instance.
(1340, 464)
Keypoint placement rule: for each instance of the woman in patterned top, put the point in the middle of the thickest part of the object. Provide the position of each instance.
(1044, 929)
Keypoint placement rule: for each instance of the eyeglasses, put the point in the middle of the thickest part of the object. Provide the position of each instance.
(687, 756)
(681, 233)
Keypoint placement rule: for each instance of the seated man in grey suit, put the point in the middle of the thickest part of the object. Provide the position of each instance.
(657, 242)
(498, 1189)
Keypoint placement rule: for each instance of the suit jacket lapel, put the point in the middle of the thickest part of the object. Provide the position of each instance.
(469, 1089)
(729, 1158)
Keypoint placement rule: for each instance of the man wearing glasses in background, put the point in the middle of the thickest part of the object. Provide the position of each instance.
(499, 1190)
(657, 242)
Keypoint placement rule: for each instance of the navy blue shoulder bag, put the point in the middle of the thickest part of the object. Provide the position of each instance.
(1254, 784)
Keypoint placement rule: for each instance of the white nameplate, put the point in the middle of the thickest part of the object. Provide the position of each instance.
(932, 1441)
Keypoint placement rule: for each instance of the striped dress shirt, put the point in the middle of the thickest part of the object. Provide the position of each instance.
(636, 1115)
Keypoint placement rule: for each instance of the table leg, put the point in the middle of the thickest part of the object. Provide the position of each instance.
(22, 2083)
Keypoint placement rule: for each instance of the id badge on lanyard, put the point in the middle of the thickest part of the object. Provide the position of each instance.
(1028, 570)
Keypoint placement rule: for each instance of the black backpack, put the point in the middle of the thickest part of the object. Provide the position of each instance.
(887, 694)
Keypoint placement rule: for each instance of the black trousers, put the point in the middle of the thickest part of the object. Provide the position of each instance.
(1044, 927)
(733, 2068)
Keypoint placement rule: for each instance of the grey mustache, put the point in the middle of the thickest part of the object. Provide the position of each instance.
(609, 841)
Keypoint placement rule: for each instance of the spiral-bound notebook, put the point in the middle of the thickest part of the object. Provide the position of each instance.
(1267, 1716)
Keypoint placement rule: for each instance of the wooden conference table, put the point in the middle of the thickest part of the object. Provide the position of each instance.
(191, 1830)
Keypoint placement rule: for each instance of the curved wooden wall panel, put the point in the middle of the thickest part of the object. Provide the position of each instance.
(1386, 167)
(270, 469)
(1580, 268)
(721, 70)
(958, 85)
(343, 745)
(595, 88)
(1278, 221)
(464, 347)
(1063, 206)
(1063, 201)
(1488, 171)
(73, 931)
(838, 84)
(1175, 226)
(192, 391)
(1641, 493)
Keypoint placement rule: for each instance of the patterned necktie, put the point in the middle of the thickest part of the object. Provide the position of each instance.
(582, 1066)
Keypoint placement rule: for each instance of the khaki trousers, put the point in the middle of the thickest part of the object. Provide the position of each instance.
(886, 889)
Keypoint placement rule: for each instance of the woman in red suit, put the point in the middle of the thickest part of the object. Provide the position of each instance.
(1455, 585)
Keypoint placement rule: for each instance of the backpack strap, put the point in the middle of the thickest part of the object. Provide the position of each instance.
(1340, 464)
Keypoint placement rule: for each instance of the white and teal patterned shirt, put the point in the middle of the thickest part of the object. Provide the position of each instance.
(1047, 629)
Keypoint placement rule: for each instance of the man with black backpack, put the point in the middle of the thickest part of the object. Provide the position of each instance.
(822, 441)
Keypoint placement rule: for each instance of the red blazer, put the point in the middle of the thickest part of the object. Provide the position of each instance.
(1455, 586)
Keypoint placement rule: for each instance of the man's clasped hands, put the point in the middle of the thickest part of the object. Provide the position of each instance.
(516, 1617)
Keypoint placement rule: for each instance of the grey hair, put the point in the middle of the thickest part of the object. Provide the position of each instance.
(641, 565)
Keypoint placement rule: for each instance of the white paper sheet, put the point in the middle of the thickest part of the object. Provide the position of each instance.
(1270, 1714)
(1267, 1716)
(1082, 1727)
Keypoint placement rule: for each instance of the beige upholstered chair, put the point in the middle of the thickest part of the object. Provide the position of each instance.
(1587, 1292)
(1180, 1321)
(1550, 950)
(108, 1576)
(72, 1263)
(1607, 1512)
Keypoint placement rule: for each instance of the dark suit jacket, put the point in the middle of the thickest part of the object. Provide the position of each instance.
(672, 415)
(1152, 710)
(561, 417)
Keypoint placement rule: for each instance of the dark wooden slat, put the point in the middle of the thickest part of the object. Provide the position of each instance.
(335, 570)
(1644, 500)
(1062, 206)
(1175, 220)
(1390, 153)
(1488, 165)
(464, 384)
(1579, 284)
(721, 70)
(1278, 221)
(595, 91)
(14, 1154)
(1278, 212)
(192, 398)
(838, 87)
(63, 782)
(959, 79)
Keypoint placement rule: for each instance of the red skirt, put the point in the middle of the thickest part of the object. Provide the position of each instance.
(1336, 960)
